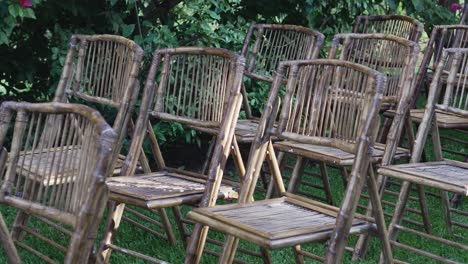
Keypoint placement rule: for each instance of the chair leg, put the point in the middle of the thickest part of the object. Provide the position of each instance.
(378, 214)
(338, 239)
(114, 217)
(424, 209)
(344, 176)
(265, 256)
(22, 218)
(326, 182)
(446, 209)
(167, 226)
(196, 244)
(236, 154)
(229, 250)
(7, 243)
(298, 257)
(383, 131)
(296, 175)
(206, 163)
(271, 186)
(180, 225)
(360, 249)
(398, 213)
(85, 234)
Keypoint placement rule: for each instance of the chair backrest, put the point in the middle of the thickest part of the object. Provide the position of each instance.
(393, 56)
(397, 25)
(266, 45)
(103, 69)
(442, 37)
(332, 103)
(327, 101)
(197, 87)
(77, 154)
(454, 62)
(452, 70)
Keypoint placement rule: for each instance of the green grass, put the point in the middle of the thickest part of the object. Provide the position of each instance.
(137, 239)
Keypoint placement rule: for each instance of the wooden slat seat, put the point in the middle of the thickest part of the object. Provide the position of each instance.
(246, 129)
(276, 223)
(157, 190)
(444, 119)
(333, 155)
(448, 175)
(43, 165)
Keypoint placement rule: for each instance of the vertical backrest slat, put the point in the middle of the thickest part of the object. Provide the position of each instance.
(193, 85)
(60, 187)
(326, 99)
(455, 98)
(266, 45)
(395, 57)
(397, 25)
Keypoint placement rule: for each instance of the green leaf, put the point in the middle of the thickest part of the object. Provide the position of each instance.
(127, 30)
(12, 9)
(3, 38)
(113, 2)
(213, 15)
(418, 5)
(29, 13)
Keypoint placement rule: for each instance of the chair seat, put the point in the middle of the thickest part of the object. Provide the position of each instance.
(43, 165)
(246, 130)
(161, 189)
(447, 175)
(444, 119)
(333, 155)
(276, 223)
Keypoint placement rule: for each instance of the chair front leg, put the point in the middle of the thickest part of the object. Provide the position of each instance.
(114, 217)
(7, 243)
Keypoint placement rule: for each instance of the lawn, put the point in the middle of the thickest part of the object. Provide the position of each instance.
(140, 240)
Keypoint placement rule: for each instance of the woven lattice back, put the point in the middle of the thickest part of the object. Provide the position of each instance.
(397, 25)
(455, 66)
(442, 37)
(100, 69)
(265, 45)
(53, 169)
(194, 84)
(327, 99)
(393, 56)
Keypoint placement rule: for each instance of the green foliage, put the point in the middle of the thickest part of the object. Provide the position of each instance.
(34, 41)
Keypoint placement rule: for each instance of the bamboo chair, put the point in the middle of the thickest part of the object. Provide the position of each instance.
(446, 36)
(311, 112)
(103, 70)
(443, 174)
(198, 87)
(100, 70)
(443, 36)
(393, 56)
(265, 45)
(75, 193)
(397, 25)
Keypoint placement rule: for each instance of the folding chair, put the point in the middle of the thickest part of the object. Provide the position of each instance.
(198, 87)
(312, 111)
(74, 193)
(99, 70)
(393, 56)
(443, 174)
(265, 45)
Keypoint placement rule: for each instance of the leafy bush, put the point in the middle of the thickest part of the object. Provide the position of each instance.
(34, 40)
